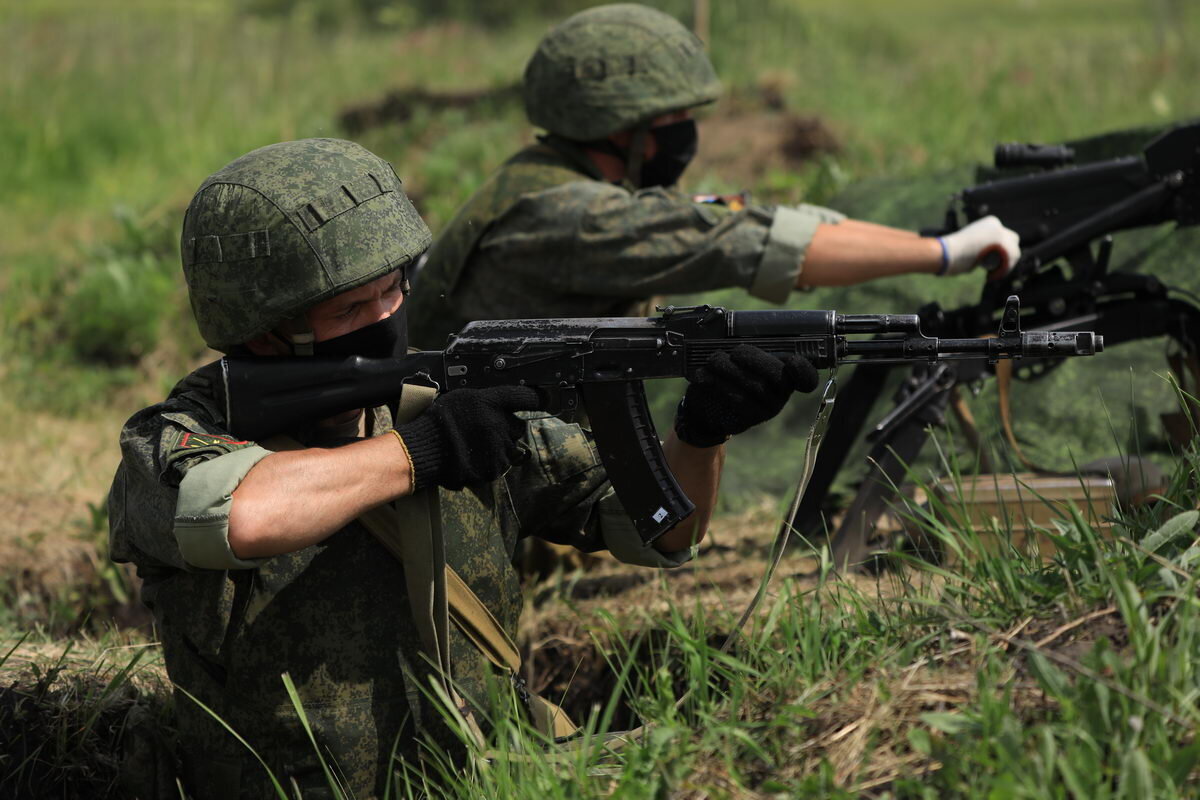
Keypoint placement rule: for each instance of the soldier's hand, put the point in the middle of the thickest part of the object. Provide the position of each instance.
(984, 243)
(468, 436)
(737, 390)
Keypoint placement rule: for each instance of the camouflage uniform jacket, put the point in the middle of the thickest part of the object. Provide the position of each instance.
(334, 616)
(546, 236)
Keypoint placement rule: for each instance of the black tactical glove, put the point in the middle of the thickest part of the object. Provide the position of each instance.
(737, 390)
(467, 437)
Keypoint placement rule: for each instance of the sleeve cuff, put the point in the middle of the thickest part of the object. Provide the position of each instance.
(787, 241)
(202, 510)
(623, 542)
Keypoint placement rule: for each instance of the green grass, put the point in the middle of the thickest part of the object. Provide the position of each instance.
(1004, 675)
(87, 718)
(1000, 672)
(111, 113)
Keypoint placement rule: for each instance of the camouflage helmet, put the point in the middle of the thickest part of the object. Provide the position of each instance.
(612, 67)
(287, 226)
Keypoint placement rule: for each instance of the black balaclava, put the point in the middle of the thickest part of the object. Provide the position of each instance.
(387, 338)
(676, 148)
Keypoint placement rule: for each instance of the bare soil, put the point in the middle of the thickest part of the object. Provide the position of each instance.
(52, 470)
(742, 146)
(399, 105)
(747, 134)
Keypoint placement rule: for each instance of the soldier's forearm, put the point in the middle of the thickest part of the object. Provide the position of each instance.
(854, 252)
(698, 470)
(294, 499)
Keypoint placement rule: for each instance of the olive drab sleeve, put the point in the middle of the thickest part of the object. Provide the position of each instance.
(622, 540)
(585, 248)
(160, 445)
(782, 260)
(612, 243)
(562, 494)
(202, 509)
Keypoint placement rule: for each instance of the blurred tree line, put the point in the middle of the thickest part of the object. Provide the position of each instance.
(337, 14)
(731, 30)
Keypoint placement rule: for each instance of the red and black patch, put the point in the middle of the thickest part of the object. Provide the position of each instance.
(197, 441)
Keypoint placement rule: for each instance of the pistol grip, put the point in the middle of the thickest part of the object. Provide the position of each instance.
(633, 457)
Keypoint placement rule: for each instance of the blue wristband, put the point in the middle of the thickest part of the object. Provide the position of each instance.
(945, 258)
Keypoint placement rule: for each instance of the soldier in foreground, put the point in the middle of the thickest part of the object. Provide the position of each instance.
(256, 556)
(585, 222)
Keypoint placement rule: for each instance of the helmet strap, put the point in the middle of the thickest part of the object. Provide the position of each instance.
(635, 155)
(302, 343)
(297, 334)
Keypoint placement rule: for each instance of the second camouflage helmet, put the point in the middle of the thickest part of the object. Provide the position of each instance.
(609, 68)
(287, 226)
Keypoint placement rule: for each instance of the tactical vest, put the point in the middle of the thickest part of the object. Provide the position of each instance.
(536, 168)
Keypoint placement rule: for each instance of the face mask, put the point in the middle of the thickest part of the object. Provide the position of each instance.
(387, 338)
(676, 149)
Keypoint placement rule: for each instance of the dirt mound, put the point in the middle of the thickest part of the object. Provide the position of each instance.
(54, 566)
(746, 145)
(84, 720)
(748, 134)
(400, 105)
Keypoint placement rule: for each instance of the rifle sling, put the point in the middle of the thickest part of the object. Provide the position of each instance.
(1004, 378)
(466, 610)
(437, 594)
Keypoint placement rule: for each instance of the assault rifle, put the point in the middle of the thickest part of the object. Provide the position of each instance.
(599, 364)
(1066, 216)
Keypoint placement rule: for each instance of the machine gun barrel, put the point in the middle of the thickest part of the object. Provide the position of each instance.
(1014, 155)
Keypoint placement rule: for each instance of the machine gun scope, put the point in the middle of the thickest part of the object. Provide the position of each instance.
(1045, 156)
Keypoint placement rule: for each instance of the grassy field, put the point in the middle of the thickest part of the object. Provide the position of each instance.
(1001, 675)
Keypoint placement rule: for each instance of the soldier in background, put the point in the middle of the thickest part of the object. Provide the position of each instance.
(261, 559)
(585, 223)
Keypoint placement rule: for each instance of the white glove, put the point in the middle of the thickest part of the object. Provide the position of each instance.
(985, 242)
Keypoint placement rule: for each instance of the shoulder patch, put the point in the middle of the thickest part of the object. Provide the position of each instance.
(182, 446)
(199, 441)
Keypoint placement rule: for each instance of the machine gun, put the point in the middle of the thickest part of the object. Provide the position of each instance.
(599, 364)
(1066, 216)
